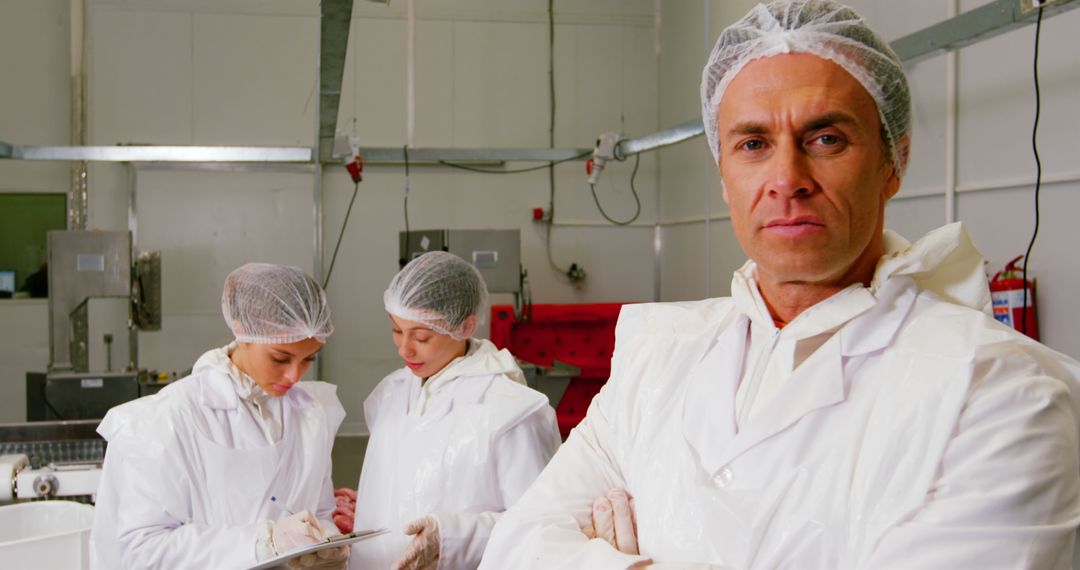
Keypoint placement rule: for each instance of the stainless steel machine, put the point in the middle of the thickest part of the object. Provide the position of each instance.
(45, 460)
(85, 265)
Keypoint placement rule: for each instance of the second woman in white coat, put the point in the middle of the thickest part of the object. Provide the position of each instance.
(456, 436)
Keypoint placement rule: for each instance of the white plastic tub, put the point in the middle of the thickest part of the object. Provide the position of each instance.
(45, 534)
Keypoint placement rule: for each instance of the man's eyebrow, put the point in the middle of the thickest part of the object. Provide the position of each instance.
(814, 123)
(747, 128)
(829, 119)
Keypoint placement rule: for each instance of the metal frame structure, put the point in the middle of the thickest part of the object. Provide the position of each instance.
(962, 30)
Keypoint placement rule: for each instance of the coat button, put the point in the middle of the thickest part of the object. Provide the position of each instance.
(724, 477)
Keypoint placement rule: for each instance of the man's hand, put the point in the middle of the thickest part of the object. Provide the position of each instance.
(613, 520)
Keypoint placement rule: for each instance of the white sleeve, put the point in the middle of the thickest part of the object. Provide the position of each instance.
(327, 502)
(543, 529)
(523, 451)
(520, 455)
(149, 530)
(1007, 493)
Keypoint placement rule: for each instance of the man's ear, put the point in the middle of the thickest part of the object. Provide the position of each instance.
(903, 152)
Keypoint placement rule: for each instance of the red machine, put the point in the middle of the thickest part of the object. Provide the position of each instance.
(580, 335)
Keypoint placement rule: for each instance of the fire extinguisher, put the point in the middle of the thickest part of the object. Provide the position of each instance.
(1007, 295)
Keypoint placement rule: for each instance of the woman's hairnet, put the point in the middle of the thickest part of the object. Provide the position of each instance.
(823, 28)
(440, 290)
(275, 304)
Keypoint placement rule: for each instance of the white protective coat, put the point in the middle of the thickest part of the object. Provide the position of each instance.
(189, 476)
(463, 452)
(922, 434)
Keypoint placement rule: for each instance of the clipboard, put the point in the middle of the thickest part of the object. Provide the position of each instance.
(331, 542)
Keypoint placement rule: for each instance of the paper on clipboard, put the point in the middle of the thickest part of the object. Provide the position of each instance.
(331, 542)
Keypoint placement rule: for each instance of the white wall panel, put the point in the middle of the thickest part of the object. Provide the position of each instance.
(206, 224)
(25, 341)
(1000, 223)
(915, 216)
(254, 80)
(140, 77)
(37, 100)
(998, 103)
(500, 84)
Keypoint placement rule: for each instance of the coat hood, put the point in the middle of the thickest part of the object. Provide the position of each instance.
(484, 358)
(944, 262)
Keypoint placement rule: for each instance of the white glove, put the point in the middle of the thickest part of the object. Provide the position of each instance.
(294, 531)
(613, 521)
(423, 552)
(327, 558)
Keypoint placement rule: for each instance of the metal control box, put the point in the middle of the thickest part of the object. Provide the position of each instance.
(496, 253)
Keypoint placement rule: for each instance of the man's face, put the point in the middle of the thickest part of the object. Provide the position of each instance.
(806, 175)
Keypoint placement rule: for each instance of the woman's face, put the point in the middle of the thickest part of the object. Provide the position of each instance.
(424, 351)
(276, 368)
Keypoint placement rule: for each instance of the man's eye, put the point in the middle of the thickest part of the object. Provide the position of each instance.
(829, 140)
(753, 144)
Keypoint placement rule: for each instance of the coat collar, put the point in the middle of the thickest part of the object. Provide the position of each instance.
(219, 381)
(460, 392)
(709, 412)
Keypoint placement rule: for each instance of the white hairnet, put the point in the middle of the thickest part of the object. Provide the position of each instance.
(275, 304)
(440, 290)
(823, 28)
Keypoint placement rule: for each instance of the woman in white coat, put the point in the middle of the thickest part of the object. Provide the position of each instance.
(456, 436)
(224, 468)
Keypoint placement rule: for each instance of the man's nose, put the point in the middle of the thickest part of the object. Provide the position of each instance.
(789, 173)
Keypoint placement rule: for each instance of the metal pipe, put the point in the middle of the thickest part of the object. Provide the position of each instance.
(78, 193)
(974, 26)
(951, 110)
(163, 153)
(410, 78)
(373, 155)
(660, 139)
(705, 179)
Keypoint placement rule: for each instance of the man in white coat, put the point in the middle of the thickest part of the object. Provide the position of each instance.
(852, 404)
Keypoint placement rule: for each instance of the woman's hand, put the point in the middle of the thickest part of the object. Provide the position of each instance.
(345, 511)
(423, 552)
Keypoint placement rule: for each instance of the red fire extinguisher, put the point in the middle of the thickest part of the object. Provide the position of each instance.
(1007, 295)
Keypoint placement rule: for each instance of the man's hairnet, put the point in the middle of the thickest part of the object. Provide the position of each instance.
(823, 28)
(440, 290)
(275, 304)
